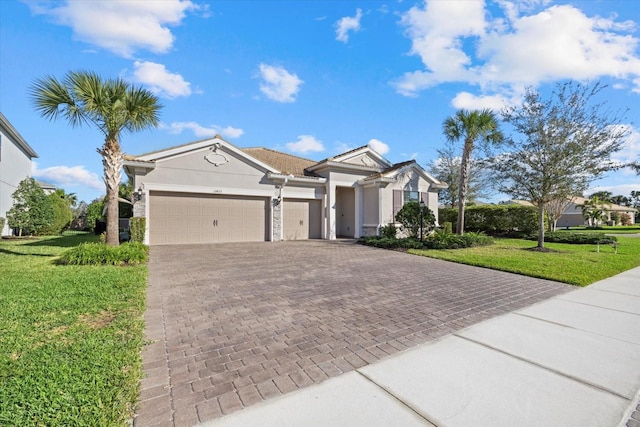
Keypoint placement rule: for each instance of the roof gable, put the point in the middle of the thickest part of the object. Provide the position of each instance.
(214, 144)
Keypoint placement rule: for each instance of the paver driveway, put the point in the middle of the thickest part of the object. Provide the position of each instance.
(233, 324)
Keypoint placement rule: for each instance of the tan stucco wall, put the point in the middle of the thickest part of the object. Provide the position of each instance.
(370, 205)
(193, 170)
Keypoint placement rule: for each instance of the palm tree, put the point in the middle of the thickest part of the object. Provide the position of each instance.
(470, 126)
(113, 106)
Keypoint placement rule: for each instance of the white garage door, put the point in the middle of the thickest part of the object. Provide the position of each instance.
(302, 219)
(202, 218)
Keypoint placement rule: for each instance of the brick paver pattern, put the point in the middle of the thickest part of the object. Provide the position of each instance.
(230, 325)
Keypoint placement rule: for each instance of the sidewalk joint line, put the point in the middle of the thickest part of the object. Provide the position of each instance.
(573, 327)
(597, 306)
(546, 368)
(397, 399)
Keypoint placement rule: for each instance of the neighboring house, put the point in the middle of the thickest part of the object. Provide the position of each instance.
(573, 214)
(15, 165)
(47, 187)
(212, 191)
(573, 217)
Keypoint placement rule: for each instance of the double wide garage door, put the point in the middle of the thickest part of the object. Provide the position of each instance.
(178, 218)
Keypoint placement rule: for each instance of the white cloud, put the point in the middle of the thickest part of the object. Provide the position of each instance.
(304, 144)
(347, 24)
(65, 176)
(160, 81)
(621, 189)
(120, 26)
(532, 44)
(378, 146)
(631, 151)
(203, 131)
(278, 84)
(496, 102)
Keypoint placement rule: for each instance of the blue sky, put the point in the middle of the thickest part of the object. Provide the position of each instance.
(312, 78)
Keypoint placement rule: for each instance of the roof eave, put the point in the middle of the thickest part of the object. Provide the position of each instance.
(7, 126)
(293, 178)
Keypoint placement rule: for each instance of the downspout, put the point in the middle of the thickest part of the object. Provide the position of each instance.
(280, 202)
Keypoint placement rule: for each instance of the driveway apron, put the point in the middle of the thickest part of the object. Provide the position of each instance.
(230, 325)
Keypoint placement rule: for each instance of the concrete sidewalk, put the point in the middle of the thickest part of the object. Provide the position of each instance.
(572, 360)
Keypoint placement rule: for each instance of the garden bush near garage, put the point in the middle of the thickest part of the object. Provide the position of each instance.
(71, 336)
(440, 239)
(131, 253)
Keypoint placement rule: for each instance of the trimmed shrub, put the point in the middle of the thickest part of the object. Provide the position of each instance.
(495, 219)
(132, 253)
(576, 238)
(388, 231)
(409, 218)
(442, 239)
(137, 225)
(391, 243)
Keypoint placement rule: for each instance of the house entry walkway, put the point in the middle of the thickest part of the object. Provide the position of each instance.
(232, 325)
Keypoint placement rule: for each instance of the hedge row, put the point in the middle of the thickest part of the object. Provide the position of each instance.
(576, 238)
(494, 219)
(438, 240)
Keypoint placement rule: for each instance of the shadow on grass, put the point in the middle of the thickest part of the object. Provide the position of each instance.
(65, 241)
(7, 251)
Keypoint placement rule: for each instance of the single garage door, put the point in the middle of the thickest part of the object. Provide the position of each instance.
(302, 219)
(203, 218)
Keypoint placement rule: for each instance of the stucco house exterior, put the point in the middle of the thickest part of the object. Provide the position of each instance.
(212, 191)
(573, 217)
(15, 165)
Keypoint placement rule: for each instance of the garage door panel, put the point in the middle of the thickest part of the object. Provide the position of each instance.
(204, 218)
(302, 219)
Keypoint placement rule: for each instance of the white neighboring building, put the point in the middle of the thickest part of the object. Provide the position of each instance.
(15, 165)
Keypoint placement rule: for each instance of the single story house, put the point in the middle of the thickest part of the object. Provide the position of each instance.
(15, 165)
(573, 217)
(212, 191)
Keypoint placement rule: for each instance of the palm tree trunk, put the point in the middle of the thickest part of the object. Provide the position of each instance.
(465, 165)
(112, 163)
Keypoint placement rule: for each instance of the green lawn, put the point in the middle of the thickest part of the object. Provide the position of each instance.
(71, 337)
(575, 264)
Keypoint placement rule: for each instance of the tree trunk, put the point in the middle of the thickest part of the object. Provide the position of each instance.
(112, 163)
(541, 225)
(462, 187)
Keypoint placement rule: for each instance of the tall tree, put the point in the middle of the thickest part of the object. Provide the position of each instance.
(113, 106)
(446, 168)
(603, 196)
(32, 210)
(470, 127)
(559, 145)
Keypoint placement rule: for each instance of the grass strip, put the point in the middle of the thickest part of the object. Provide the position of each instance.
(574, 264)
(71, 337)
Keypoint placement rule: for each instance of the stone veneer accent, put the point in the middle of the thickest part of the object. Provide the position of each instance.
(139, 206)
(369, 231)
(277, 220)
